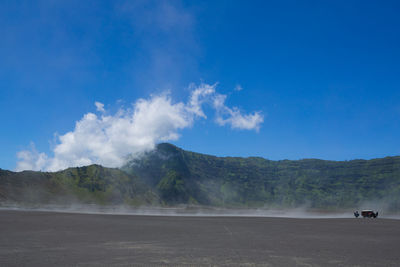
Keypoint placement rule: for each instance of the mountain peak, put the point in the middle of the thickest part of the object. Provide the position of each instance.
(167, 148)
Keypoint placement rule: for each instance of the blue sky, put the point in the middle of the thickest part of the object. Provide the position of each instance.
(323, 76)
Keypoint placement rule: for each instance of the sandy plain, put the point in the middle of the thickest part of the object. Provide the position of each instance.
(38, 238)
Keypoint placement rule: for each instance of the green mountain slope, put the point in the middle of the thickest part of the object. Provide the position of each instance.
(90, 184)
(169, 175)
(188, 177)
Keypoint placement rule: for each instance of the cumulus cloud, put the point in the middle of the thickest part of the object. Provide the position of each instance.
(109, 139)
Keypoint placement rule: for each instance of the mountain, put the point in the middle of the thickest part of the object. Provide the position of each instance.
(186, 177)
(169, 175)
(89, 184)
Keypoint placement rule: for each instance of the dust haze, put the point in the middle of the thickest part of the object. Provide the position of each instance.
(201, 211)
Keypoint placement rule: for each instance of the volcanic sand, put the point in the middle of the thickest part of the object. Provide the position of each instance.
(33, 238)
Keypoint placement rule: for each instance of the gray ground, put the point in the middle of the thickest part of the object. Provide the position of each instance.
(33, 238)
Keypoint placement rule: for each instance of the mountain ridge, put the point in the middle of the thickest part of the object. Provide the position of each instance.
(258, 181)
(169, 175)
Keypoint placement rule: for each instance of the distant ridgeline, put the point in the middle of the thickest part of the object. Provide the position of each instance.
(169, 175)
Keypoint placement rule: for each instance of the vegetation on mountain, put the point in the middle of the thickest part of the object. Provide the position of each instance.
(234, 181)
(169, 175)
(89, 184)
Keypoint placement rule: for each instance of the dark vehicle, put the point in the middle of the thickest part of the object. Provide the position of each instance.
(369, 214)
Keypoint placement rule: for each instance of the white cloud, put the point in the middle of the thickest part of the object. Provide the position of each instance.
(234, 117)
(198, 96)
(31, 159)
(109, 139)
(239, 121)
(99, 106)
